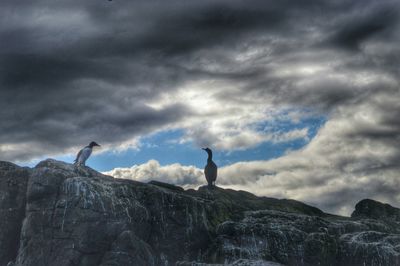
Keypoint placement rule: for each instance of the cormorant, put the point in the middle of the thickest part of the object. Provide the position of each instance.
(210, 170)
(84, 154)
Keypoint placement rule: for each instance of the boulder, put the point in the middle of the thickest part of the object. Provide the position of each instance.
(372, 209)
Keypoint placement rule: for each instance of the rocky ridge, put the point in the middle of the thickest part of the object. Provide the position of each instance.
(57, 214)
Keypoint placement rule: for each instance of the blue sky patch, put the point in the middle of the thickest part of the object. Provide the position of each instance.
(163, 147)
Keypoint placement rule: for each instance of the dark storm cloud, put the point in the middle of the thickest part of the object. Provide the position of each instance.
(176, 28)
(357, 28)
(71, 72)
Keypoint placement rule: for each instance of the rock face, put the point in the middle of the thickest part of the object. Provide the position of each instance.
(375, 210)
(56, 214)
(13, 183)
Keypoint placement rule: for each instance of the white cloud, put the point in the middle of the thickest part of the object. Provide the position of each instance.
(224, 124)
(185, 176)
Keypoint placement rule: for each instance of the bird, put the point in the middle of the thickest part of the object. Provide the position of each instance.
(84, 154)
(210, 170)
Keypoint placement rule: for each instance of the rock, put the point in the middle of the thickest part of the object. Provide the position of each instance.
(244, 262)
(128, 249)
(368, 208)
(320, 248)
(13, 185)
(294, 239)
(369, 248)
(166, 185)
(59, 214)
(240, 262)
(73, 215)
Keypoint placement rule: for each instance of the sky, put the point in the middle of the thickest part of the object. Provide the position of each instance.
(297, 99)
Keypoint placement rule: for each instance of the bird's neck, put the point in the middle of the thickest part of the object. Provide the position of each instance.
(209, 159)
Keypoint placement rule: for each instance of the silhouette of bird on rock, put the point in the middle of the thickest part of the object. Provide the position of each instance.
(84, 154)
(210, 170)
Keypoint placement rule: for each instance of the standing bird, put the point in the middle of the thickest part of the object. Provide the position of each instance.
(210, 171)
(84, 154)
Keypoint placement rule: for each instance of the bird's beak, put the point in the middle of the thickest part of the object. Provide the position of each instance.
(203, 148)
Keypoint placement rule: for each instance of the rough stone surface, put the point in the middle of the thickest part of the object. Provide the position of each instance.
(295, 239)
(57, 214)
(13, 183)
(368, 208)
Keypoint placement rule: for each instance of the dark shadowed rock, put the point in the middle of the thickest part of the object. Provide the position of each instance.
(128, 249)
(166, 185)
(240, 262)
(13, 183)
(368, 208)
(295, 239)
(59, 214)
(369, 248)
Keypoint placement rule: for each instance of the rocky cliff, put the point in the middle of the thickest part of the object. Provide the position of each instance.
(56, 214)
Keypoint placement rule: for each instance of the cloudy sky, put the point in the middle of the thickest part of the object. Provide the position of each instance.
(298, 99)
